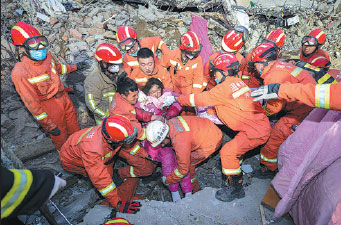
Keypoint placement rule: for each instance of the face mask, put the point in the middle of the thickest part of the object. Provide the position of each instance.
(114, 69)
(261, 71)
(134, 54)
(217, 80)
(38, 54)
(190, 56)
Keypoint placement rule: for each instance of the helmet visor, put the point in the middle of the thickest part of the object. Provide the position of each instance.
(127, 44)
(193, 53)
(37, 42)
(309, 40)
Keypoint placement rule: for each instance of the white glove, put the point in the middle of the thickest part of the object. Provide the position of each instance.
(266, 92)
(142, 97)
(164, 181)
(169, 100)
(58, 184)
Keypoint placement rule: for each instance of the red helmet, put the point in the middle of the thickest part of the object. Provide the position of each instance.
(126, 37)
(117, 128)
(277, 37)
(321, 62)
(232, 41)
(190, 43)
(118, 221)
(23, 31)
(264, 51)
(225, 61)
(314, 38)
(108, 53)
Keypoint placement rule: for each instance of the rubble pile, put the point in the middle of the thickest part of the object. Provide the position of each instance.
(80, 26)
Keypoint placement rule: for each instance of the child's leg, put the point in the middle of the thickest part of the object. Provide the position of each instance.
(186, 184)
(168, 165)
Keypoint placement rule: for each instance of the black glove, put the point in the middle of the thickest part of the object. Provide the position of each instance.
(266, 92)
(128, 207)
(55, 132)
(82, 65)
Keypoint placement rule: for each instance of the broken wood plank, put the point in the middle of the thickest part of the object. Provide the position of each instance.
(34, 149)
(261, 208)
(271, 198)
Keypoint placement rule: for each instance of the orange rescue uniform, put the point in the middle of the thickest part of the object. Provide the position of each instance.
(295, 112)
(319, 54)
(120, 106)
(87, 153)
(207, 73)
(159, 72)
(187, 78)
(236, 110)
(325, 96)
(42, 92)
(153, 43)
(194, 139)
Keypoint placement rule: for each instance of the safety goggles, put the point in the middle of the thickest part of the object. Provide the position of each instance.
(35, 43)
(240, 31)
(127, 44)
(309, 40)
(193, 53)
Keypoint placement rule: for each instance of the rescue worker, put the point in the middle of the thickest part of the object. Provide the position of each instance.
(101, 82)
(186, 67)
(232, 42)
(325, 96)
(91, 153)
(193, 139)
(36, 79)
(148, 69)
(127, 41)
(320, 75)
(25, 191)
(271, 70)
(311, 51)
(235, 108)
(277, 38)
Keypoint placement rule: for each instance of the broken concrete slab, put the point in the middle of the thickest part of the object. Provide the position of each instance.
(96, 215)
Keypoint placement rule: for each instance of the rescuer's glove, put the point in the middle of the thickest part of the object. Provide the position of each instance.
(266, 92)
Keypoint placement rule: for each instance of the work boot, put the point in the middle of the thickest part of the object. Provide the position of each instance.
(233, 188)
(264, 173)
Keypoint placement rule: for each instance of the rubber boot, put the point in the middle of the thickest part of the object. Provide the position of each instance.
(175, 196)
(188, 194)
(233, 188)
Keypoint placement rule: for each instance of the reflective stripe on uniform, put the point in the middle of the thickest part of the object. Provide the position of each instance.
(174, 63)
(21, 185)
(320, 57)
(178, 174)
(107, 189)
(322, 96)
(245, 77)
(274, 160)
(184, 123)
(133, 63)
(204, 84)
(296, 72)
(93, 105)
(135, 149)
(53, 66)
(193, 179)
(161, 43)
(231, 171)
(40, 78)
(64, 68)
(195, 66)
(108, 94)
(41, 116)
(143, 135)
(80, 138)
(191, 100)
(197, 86)
(140, 80)
(335, 82)
(133, 112)
(324, 78)
(132, 171)
(99, 122)
(153, 48)
(240, 92)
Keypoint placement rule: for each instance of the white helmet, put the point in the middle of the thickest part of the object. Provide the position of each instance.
(156, 132)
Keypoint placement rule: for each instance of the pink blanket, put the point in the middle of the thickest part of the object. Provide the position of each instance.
(199, 26)
(309, 163)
